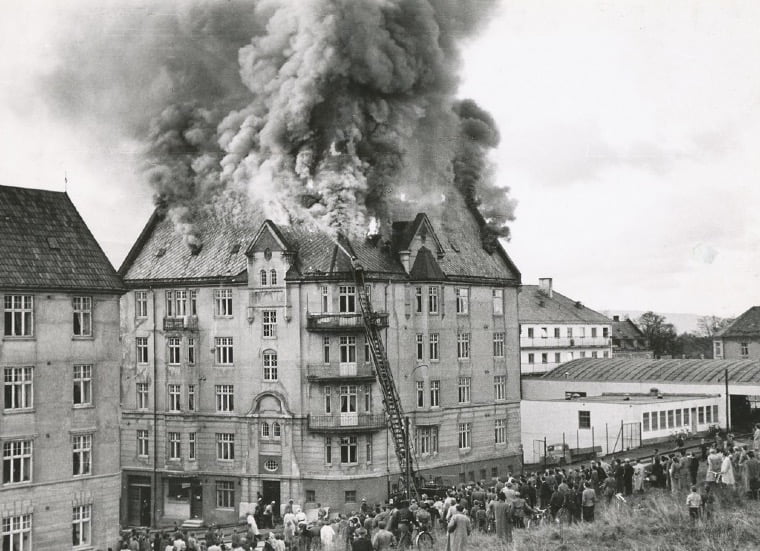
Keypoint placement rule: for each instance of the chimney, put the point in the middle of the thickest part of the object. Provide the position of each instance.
(615, 318)
(545, 285)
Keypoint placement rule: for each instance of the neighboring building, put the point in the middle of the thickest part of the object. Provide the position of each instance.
(60, 355)
(612, 422)
(639, 376)
(741, 339)
(555, 329)
(628, 341)
(246, 370)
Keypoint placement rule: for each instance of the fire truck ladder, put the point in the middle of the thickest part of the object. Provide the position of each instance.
(391, 399)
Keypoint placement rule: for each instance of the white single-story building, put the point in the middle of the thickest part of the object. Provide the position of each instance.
(611, 423)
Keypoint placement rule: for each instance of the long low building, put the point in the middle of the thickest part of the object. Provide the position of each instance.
(589, 377)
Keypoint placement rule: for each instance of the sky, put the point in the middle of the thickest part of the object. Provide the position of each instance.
(630, 134)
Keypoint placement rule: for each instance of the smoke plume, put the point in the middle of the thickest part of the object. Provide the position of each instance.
(320, 111)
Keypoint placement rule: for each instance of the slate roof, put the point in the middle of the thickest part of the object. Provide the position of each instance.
(671, 371)
(425, 267)
(746, 325)
(626, 330)
(45, 244)
(536, 306)
(317, 255)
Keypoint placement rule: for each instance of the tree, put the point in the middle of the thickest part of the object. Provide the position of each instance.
(709, 326)
(661, 335)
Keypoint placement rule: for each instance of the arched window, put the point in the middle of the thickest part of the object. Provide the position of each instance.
(273, 277)
(263, 278)
(265, 430)
(276, 430)
(270, 365)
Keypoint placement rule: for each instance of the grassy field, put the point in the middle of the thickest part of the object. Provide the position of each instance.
(654, 522)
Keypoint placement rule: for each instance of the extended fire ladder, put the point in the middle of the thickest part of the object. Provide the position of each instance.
(391, 399)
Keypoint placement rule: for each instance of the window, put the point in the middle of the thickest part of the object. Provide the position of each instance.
(662, 419)
(265, 432)
(498, 345)
(223, 348)
(435, 393)
(367, 398)
(367, 353)
(347, 299)
(715, 414)
(82, 385)
(745, 349)
(708, 414)
(594, 354)
(463, 386)
(463, 300)
(223, 303)
(701, 415)
(530, 332)
(678, 418)
(348, 399)
(500, 387)
(142, 443)
(175, 345)
(191, 351)
(420, 394)
(269, 325)
(225, 398)
(593, 332)
(17, 533)
(348, 446)
(270, 366)
(176, 304)
(276, 430)
(582, 332)
(569, 332)
(82, 316)
(141, 393)
(605, 332)
(498, 302)
(686, 418)
(465, 436)
(463, 346)
(531, 358)
(175, 446)
(311, 496)
(584, 419)
(500, 431)
(645, 422)
(606, 354)
(556, 333)
(582, 353)
(142, 349)
(718, 351)
(17, 461)
(141, 304)
(427, 440)
(225, 446)
(655, 424)
(18, 315)
(175, 398)
(190, 397)
(18, 388)
(225, 494)
(434, 357)
(432, 300)
(263, 278)
(328, 399)
(324, 292)
(81, 525)
(348, 350)
(557, 357)
(420, 347)
(544, 357)
(82, 454)
(273, 277)
(670, 419)
(326, 350)
(191, 446)
(328, 450)
(418, 300)
(544, 332)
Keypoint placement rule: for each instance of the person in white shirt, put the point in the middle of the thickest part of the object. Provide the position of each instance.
(327, 535)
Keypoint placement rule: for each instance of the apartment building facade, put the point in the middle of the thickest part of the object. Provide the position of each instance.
(60, 357)
(247, 372)
(555, 329)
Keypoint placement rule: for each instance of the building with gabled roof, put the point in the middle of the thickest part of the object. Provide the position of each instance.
(628, 341)
(246, 366)
(60, 357)
(741, 339)
(555, 329)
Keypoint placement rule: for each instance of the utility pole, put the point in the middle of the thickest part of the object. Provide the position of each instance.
(408, 458)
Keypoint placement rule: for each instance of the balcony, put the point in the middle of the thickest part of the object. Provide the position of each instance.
(565, 342)
(347, 422)
(185, 323)
(345, 371)
(343, 322)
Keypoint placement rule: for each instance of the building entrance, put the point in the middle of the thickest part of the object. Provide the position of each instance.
(139, 504)
(270, 489)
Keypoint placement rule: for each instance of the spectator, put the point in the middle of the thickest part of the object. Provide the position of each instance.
(459, 529)
(383, 539)
(694, 503)
(727, 470)
(588, 503)
(752, 472)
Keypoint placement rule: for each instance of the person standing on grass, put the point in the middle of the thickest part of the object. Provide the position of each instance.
(502, 521)
(588, 503)
(639, 472)
(714, 464)
(756, 439)
(693, 468)
(458, 529)
(628, 472)
(727, 470)
(752, 472)
(675, 475)
(694, 503)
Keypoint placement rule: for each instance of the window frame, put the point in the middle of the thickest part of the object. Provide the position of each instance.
(584, 419)
(464, 385)
(499, 339)
(435, 393)
(463, 346)
(141, 304)
(223, 303)
(499, 388)
(82, 379)
(500, 431)
(463, 300)
(497, 299)
(142, 351)
(349, 450)
(434, 348)
(19, 455)
(18, 391)
(224, 351)
(269, 324)
(174, 440)
(225, 446)
(81, 453)
(81, 515)
(465, 436)
(224, 398)
(225, 494)
(82, 316)
(270, 366)
(434, 303)
(18, 310)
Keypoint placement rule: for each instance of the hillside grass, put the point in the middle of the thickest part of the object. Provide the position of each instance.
(657, 521)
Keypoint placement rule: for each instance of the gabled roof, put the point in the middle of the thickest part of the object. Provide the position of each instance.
(626, 329)
(45, 244)
(425, 267)
(274, 232)
(536, 306)
(409, 230)
(646, 370)
(746, 325)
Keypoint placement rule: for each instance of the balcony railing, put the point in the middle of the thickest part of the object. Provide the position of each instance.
(350, 371)
(185, 323)
(347, 422)
(342, 322)
(564, 342)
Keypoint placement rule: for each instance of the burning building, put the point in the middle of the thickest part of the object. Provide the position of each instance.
(247, 372)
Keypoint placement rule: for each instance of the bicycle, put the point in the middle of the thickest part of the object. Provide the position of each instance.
(423, 540)
(538, 518)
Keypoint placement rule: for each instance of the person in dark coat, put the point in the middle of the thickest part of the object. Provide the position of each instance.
(658, 474)
(628, 477)
(619, 475)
